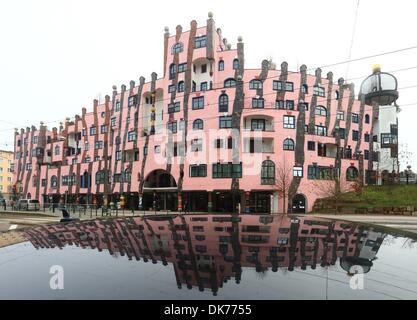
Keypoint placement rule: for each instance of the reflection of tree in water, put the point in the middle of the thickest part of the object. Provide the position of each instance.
(389, 241)
(409, 243)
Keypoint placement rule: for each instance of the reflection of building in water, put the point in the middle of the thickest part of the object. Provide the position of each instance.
(207, 251)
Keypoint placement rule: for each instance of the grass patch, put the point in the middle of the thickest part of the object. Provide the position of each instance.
(381, 196)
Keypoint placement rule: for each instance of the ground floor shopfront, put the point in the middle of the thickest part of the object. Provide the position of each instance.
(163, 199)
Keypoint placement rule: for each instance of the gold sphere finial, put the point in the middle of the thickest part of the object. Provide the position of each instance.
(376, 67)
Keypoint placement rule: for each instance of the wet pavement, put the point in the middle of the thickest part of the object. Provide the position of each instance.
(210, 257)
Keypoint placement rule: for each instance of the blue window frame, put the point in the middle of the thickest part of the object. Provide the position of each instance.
(198, 103)
(200, 42)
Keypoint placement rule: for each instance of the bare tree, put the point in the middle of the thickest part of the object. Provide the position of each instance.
(334, 189)
(283, 178)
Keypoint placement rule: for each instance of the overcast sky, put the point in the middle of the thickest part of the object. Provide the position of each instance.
(56, 56)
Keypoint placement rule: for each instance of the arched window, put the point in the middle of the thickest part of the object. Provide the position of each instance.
(255, 84)
(229, 83)
(198, 124)
(304, 88)
(177, 48)
(268, 172)
(320, 111)
(57, 150)
(127, 175)
(99, 177)
(351, 174)
(235, 64)
(54, 182)
(117, 140)
(181, 86)
(85, 180)
(172, 70)
(221, 65)
(223, 103)
(367, 119)
(288, 144)
(336, 95)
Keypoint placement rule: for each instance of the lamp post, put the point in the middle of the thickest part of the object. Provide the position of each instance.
(407, 173)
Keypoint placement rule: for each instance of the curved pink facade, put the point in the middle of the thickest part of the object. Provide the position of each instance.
(139, 159)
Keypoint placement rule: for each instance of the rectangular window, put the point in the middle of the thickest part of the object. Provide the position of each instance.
(200, 42)
(227, 170)
(103, 129)
(318, 91)
(340, 115)
(182, 67)
(198, 170)
(355, 118)
(218, 143)
(322, 173)
(282, 86)
(98, 145)
(172, 88)
(28, 166)
(289, 86)
(118, 155)
(117, 177)
(277, 85)
(366, 137)
(157, 149)
(93, 131)
(225, 122)
(204, 68)
(203, 86)
(298, 172)
(387, 139)
(258, 102)
(117, 106)
(355, 135)
(289, 122)
(131, 101)
(172, 126)
(289, 104)
(321, 149)
(196, 145)
(113, 121)
(320, 130)
(366, 154)
(174, 107)
(342, 133)
(311, 145)
(131, 136)
(280, 104)
(258, 124)
(198, 103)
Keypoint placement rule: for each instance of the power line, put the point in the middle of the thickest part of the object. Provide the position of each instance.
(353, 36)
(309, 69)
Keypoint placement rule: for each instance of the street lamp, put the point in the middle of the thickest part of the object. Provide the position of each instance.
(407, 173)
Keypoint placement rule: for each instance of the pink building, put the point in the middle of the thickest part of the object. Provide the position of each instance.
(209, 134)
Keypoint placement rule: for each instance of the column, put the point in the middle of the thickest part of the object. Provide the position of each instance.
(210, 202)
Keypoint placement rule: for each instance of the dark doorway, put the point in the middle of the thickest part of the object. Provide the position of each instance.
(260, 202)
(298, 204)
(225, 201)
(196, 201)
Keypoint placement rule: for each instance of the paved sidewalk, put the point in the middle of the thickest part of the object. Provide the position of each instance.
(407, 223)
